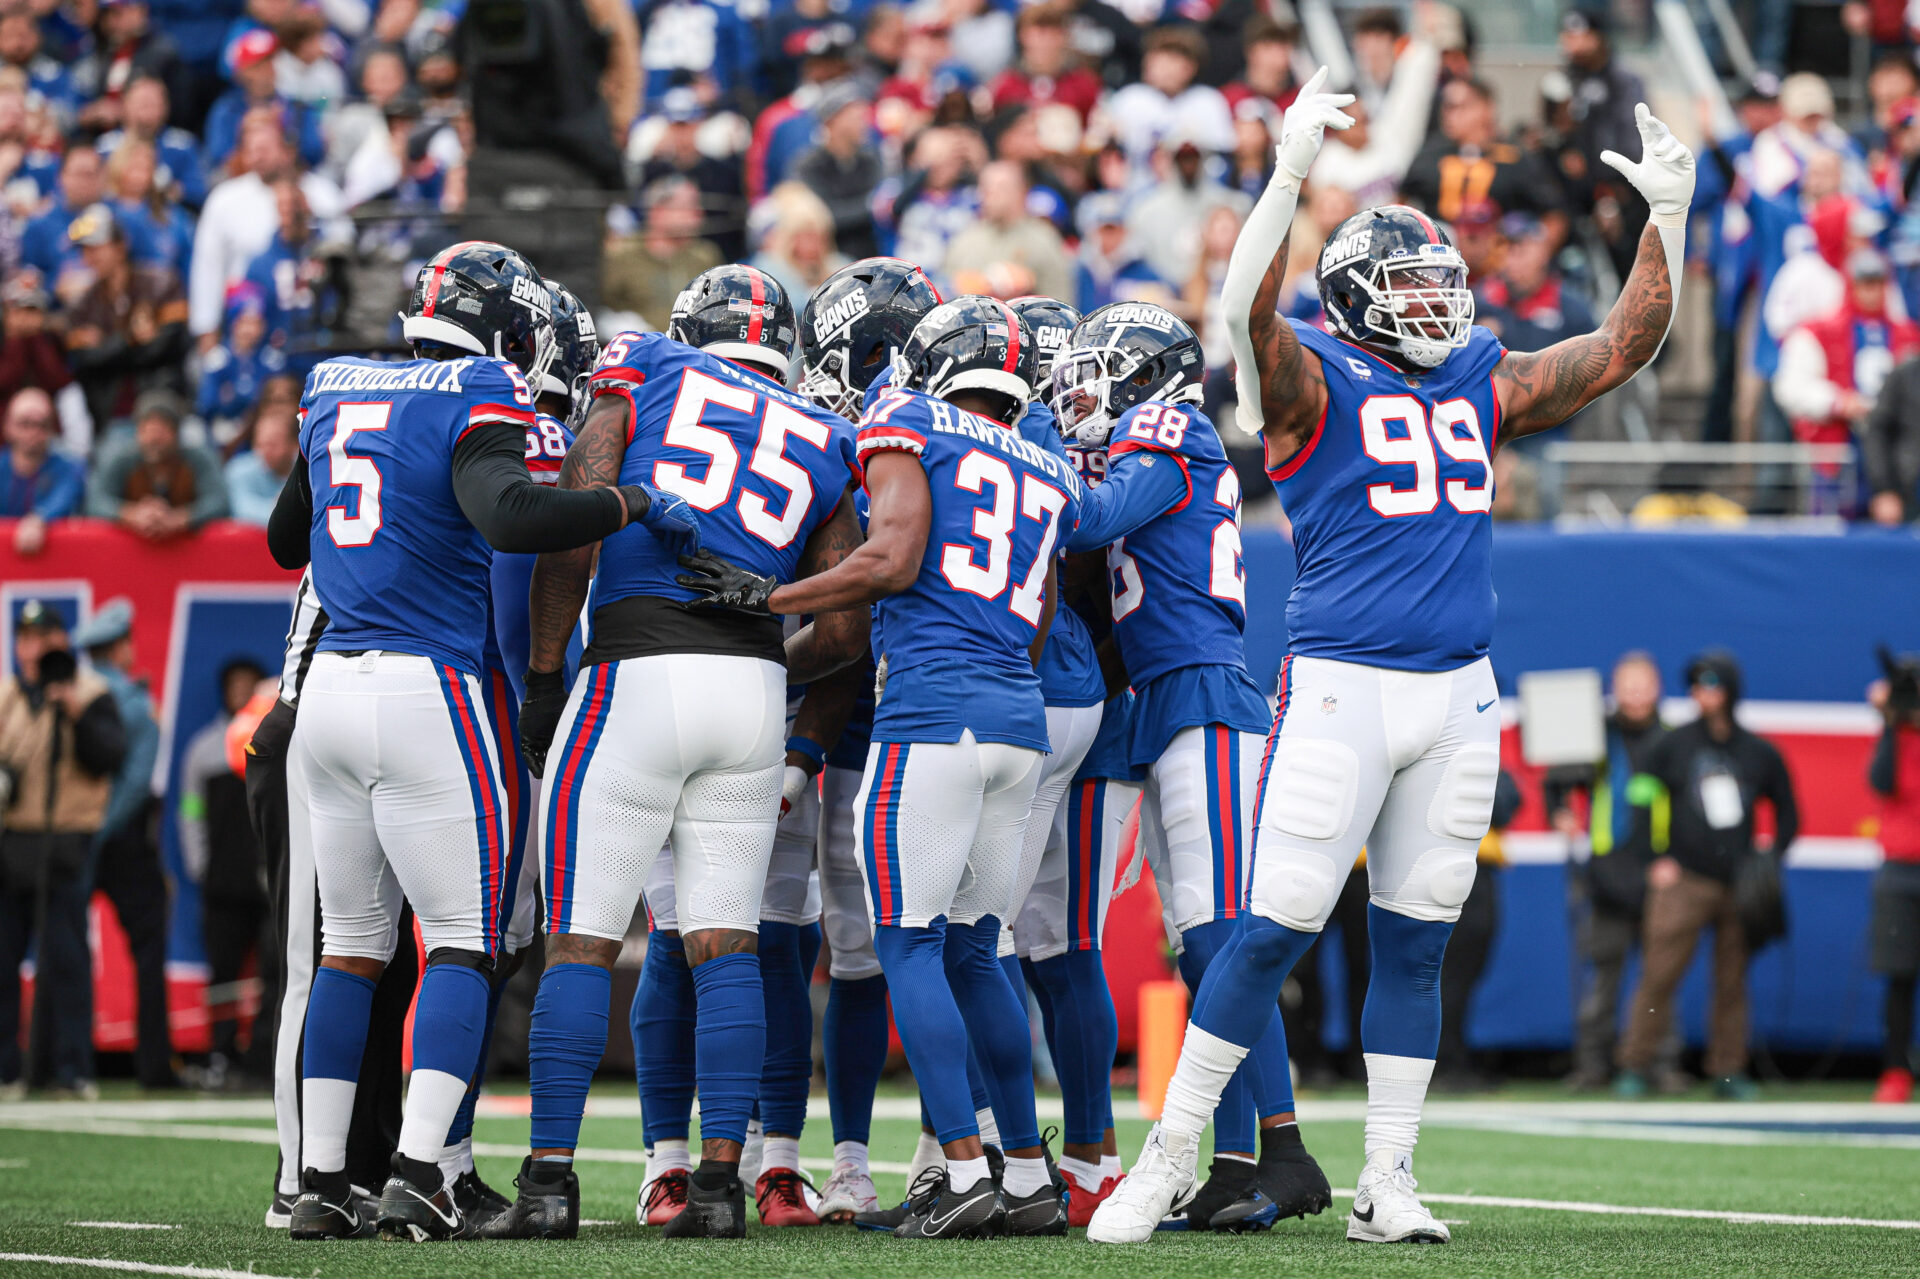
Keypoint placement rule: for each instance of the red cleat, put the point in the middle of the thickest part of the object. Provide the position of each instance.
(664, 1198)
(1081, 1201)
(1896, 1086)
(781, 1196)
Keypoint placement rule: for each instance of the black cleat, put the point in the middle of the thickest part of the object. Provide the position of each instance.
(887, 1219)
(328, 1208)
(1227, 1180)
(1044, 1212)
(417, 1204)
(718, 1213)
(479, 1203)
(548, 1206)
(936, 1211)
(1287, 1183)
(280, 1211)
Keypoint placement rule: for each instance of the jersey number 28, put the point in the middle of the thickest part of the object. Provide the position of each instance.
(1226, 566)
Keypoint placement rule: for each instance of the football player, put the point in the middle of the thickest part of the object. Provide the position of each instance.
(675, 725)
(1379, 438)
(1169, 513)
(962, 534)
(410, 476)
(560, 400)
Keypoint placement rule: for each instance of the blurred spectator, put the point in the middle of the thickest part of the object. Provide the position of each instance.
(1372, 157)
(845, 168)
(383, 79)
(929, 86)
(983, 35)
(1255, 123)
(128, 332)
(797, 248)
(1166, 101)
(791, 28)
(413, 161)
(1833, 368)
(37, 485)
(1730, 249)
(784, 131)
(1268, 75)
(707, 43)
(233, 372)
(20, 47)
(1894, 775)
(1167, 218)
(1047, 71)
(1781, 152)
(256, 476)
(934, 199)
(645, 272)
(153, 224)
(157, 488)
(1110, 267)
(678, 153)
(240, 219)
(1891, 448)
(177, 152)
(255, 88)
(1610, 895)
(1377, 35)
(125, 50)
(1468, 160)
(1712, 773)
(1516, 489)
(304, 70)
(1200, 299)
(218, 851)
(126, 852)
(1007, 233)
(1526, 301)
(60, 745)
(293, 279)
(31, 354)
(46, 245)
(1601, 112)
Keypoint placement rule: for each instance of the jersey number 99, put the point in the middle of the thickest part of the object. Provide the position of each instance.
(1455, 428)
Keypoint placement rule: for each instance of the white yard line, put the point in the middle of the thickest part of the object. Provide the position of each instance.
(138, 1267)
(123, 1225)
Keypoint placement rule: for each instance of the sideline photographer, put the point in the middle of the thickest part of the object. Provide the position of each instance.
(61, 742)
(1894, 775)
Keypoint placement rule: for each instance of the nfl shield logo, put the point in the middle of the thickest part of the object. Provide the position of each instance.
(1328, 705)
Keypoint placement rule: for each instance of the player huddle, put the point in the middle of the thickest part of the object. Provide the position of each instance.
(893, 610)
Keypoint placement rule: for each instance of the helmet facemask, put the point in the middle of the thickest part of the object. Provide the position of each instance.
(1094, 385)
(827, 383)
(1418, 306)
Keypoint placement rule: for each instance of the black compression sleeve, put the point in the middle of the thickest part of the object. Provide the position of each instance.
(514, 513)
(290, 527)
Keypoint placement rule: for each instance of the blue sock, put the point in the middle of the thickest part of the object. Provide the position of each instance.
(1402, 1013)
(338, 1009)
(855, 1038)
(1241, 983)
(1268, 1073)
(565, 1044)
(1234, 1122)
(1086, 1039)
(812, 938)
(449, 1018)
(1043, 999)
(788, 1071)
(977, 1079)
(997, 1027)
(930, 1025)
(463, 1118)
(729, 1043)
(662, 1024)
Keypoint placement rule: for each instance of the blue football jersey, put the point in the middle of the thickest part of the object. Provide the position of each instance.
(763, 466)
(1390, 502)
(510, 636)
(397, 561)
(1179, 587)
(956, 641)
(1069, 670)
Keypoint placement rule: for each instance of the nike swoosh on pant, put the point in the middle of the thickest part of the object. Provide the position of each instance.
(1480, 708)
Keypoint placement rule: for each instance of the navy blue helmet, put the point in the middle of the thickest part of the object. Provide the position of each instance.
(483, 299)
(1052, 323)
(1123, 354)
(972, 343)
(1390, 278)
(736, 313)
(854, 324)
(576, 347)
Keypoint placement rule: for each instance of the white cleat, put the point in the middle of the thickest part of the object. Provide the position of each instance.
(1385, 1207)
(848, 1191)
(1161, 1181)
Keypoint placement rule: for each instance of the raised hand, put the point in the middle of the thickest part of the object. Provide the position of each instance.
(1664, 174)
(1306, 125)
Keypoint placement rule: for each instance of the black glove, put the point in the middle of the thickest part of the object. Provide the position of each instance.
(273, 733)
(540, 716)
(724, 584)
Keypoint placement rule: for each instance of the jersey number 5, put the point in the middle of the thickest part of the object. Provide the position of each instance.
(1455, 428)
(1038, 501)
(345, 471)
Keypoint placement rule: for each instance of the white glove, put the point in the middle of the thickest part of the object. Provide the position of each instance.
(1306, 124)
(1664, 175)
(792, 784)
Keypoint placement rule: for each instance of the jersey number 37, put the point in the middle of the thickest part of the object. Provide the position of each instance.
(1037, 500)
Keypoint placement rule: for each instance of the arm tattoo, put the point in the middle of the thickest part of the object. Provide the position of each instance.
(560, 578)
(1541, 389)
(1292, 386)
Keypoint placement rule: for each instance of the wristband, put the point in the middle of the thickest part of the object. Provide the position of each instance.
(1671, 221)
(811, 749)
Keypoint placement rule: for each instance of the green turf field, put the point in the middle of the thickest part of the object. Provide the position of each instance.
(1533, 1185)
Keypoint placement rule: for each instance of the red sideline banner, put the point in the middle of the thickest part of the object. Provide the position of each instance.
(198, 601)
